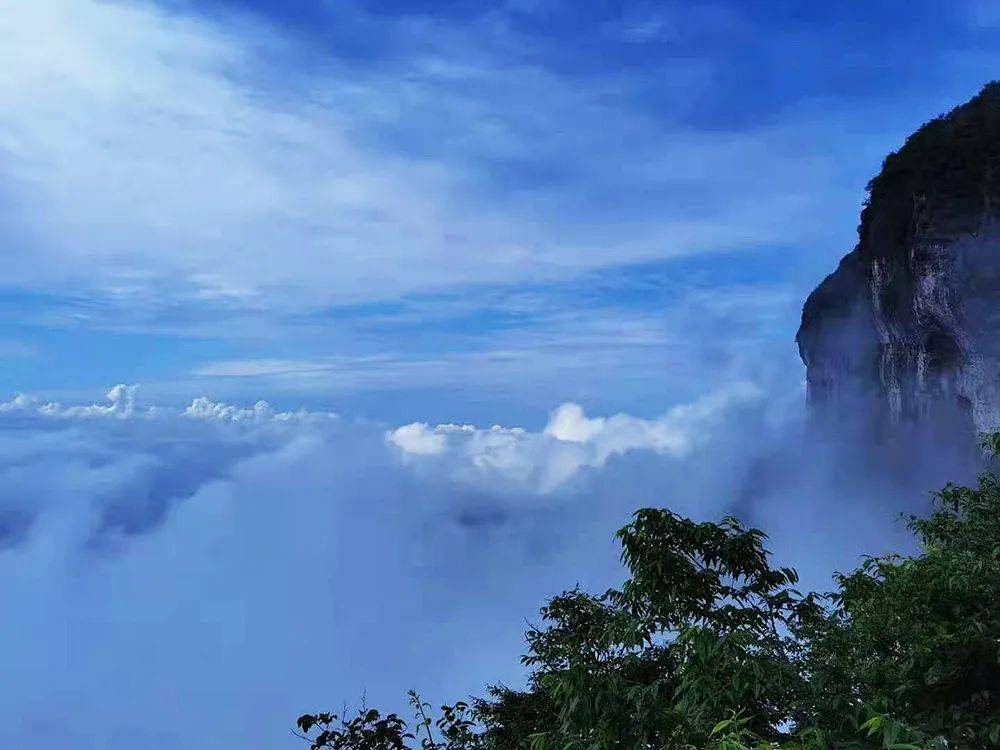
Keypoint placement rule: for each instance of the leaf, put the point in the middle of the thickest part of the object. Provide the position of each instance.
(539, 740)
(306, 722)
(720, 726)
(873, 725)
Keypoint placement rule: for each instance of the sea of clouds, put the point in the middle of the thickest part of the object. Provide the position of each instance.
(183, 576)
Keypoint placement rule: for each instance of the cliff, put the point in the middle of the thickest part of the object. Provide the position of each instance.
(908, 326)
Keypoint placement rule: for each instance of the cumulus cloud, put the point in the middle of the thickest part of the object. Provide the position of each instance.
(570, 442)
(419, 439)
(121, 404)
(569, 423)
(260, 413)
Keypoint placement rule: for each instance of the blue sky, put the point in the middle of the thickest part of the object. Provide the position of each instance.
(590, 224)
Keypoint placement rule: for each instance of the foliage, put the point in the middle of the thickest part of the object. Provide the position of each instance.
(706, 645)
(370, 730)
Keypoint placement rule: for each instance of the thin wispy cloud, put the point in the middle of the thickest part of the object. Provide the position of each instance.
(152, 158)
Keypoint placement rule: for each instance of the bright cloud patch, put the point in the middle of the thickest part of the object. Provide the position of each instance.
(569, 442)
(121, 400)
(419, 439)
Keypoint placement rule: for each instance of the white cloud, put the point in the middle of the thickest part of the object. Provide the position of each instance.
(570, 442)
(121, 405)
(142, 153)
(261, 412)
(568, 422)
(121, 398)
(418, 439)
(148, 161)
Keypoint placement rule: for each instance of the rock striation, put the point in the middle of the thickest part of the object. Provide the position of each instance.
(908, 326)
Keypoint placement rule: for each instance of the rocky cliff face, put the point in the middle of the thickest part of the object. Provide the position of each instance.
(908, 326)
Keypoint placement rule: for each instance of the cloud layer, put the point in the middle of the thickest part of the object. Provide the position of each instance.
(218, 562)
(236, 565)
